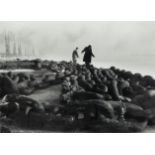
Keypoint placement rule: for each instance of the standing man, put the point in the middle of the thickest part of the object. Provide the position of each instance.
(74, 57)
(88, 54)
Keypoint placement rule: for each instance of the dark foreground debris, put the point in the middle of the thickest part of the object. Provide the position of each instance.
(92, 99)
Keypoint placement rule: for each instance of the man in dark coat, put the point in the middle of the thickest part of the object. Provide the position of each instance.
(88, 54)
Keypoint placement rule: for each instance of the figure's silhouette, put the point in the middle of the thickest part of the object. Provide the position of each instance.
(75, 56)
(88, 54)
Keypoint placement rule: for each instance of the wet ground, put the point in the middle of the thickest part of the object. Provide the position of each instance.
(50, 94)
(149, 129)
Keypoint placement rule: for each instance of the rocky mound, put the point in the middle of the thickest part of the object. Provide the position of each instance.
(92, 99)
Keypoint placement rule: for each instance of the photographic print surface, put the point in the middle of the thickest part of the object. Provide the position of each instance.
(77, 77)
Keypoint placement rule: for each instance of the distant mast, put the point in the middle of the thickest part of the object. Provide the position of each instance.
(19, 50)
(7, 45)
(14, 49)
(33, 52)
(26, 54)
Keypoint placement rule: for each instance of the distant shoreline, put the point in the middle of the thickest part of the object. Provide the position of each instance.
(134, 67)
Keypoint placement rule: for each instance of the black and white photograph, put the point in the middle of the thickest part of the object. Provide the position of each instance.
(77, 76)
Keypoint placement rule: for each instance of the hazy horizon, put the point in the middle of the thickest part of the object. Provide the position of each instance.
(129, 45)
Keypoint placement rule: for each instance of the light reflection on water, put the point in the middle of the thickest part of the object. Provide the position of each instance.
(15, 70)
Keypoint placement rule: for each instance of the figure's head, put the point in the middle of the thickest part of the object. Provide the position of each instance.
(77, 48)
(89, 46)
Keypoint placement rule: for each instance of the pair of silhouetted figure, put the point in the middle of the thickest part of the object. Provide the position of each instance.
(88, 54)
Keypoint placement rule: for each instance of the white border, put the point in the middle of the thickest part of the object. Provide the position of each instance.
(80, 10)
(76, 10)
(76, 144)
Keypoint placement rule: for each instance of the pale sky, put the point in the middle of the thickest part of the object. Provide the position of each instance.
(112, 42)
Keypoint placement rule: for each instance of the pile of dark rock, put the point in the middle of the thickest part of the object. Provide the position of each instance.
(92, 100)
(106, 97)
(112, 84)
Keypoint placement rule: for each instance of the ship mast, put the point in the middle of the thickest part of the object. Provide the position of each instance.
(33, 52)
(14, 49)
(25, 54)
(19, 50)
(7, 45)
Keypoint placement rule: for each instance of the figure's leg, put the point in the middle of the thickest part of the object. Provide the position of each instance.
(88, 65)
(74, 65)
